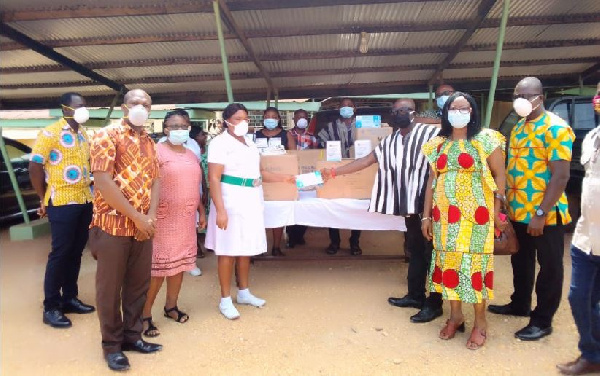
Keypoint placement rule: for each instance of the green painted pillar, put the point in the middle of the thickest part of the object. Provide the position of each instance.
(224, 60)
(494, 81)
(430, 100)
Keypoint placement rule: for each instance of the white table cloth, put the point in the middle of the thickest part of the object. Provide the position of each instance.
(343, 213)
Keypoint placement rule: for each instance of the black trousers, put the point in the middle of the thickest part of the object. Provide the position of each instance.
(334, 236)
(69, 227)
(420, 261)
(295, 233)
(549, 248)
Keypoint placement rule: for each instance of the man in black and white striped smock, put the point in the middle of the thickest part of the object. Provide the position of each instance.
(399, 189)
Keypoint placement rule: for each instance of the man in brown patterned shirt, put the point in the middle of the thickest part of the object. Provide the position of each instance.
(126, 178)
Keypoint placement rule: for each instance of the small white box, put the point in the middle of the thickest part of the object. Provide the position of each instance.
(362, 148)
(368, 121)
(334, 151)
(309, 181)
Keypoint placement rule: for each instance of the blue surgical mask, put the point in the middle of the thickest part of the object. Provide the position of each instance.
(271, 123)
(457, 119)
(346, 112)
(179, 136)
(441, 101)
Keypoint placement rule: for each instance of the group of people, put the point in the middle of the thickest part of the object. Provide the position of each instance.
(449, 182)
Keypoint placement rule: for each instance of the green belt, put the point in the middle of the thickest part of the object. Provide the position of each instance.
(244, 182)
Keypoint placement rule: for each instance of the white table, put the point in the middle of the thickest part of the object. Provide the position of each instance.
(343, 213)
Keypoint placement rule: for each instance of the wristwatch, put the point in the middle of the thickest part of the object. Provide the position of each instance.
(540, 212)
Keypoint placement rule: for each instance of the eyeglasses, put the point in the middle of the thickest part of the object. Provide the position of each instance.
(464, 110)
(525, 96)
(401, 110)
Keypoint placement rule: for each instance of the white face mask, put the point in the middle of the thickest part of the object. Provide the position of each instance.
(523, 107)
(458, 119)
(179, 136)
(81, 115)
(240, 129)
(138, 115)
(302, 123)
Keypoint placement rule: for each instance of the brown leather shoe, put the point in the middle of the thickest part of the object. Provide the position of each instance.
(580, 366)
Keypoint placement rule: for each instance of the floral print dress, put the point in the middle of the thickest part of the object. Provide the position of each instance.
(462, 265)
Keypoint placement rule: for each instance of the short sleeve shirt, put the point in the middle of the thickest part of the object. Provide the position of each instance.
(132, 160)
(239, 160)
(65, 155)
(533, 144)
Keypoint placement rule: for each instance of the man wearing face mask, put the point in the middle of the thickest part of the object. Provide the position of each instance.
(585, 258)
(62, 152)
(539, 156)
(126, 174)
(442, 94)
(400, 190)
(342, 129)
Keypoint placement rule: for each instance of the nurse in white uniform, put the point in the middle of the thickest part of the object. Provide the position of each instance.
(236, 229)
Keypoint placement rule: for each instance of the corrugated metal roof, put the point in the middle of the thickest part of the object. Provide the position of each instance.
(358, 78)
(516, 34)
(528, 8)
(530, 54)
(530, 70)
(57, 4)
(23, 58)
(176, 70)
(353, 15)
(33, 78)
(80, 28)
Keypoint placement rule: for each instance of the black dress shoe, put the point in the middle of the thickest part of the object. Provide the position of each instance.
(579, 367)
(56, 319)
(406, 302)
(427, 314)
(355, 250)
(141, 346)
(332, 249)
(117, 361)
(77, 306)
(507, 309)
(533, 333)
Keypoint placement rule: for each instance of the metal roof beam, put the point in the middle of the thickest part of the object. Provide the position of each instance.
(36, 46)
(232, 25)
(484, 8)
(324, 55)
(590, 71)
(298, 31)
(307, 73)
(174, 7)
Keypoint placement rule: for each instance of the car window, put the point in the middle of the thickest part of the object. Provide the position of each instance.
(562, 110)
(584, 116)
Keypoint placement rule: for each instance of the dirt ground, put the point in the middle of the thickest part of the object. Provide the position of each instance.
(322, 317)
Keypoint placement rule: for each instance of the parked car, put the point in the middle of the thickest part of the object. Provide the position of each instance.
(19, 155)
(579, 114)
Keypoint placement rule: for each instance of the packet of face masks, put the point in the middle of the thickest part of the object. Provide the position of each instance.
(310, 181)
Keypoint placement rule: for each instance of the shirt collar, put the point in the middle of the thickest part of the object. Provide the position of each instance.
(131, 131)
(67, 127)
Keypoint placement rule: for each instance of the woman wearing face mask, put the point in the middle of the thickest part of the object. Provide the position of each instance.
(273, 131)
(236, 229)
(463, 197)
(275, 135)
(174, 245)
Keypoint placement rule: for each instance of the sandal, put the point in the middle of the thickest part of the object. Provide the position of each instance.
(450, 330)
(181, 316)
(477, 339)
(152, 330)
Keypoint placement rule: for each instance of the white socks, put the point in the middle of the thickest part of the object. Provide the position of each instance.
(243, 297)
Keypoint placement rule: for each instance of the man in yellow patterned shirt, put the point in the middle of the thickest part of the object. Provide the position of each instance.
(539, 157)
(60, 173)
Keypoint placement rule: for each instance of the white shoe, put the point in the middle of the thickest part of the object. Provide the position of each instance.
(196, 272)
(229, 311)
(250, 300)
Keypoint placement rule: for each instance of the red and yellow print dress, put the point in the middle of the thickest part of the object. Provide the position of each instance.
(462, 264)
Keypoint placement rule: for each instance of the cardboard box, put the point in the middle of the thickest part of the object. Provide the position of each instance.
(280, 164)
(357, 185)
(373, 134)
(368, 121)
(307, 159)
